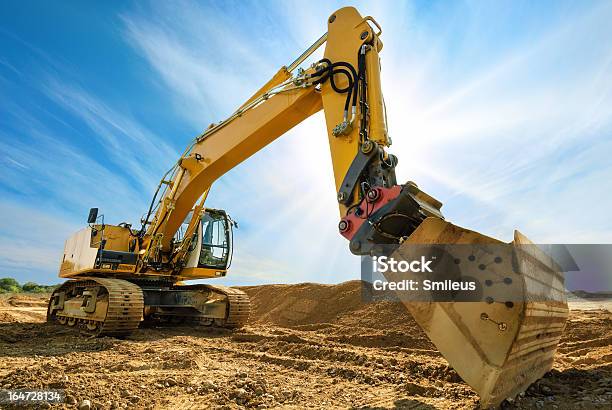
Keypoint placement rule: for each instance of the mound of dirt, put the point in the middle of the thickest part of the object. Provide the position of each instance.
(306, 304)
(344, 312)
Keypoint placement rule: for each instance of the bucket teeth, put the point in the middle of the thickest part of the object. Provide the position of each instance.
(499, 349)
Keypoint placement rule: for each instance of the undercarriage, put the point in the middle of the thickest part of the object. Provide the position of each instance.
(116, 307)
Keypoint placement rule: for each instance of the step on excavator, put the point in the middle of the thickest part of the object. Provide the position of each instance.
(119, 277)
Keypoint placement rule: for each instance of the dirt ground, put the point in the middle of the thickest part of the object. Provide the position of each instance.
(309, 345)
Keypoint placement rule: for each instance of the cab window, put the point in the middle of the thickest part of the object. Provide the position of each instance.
(215, 241)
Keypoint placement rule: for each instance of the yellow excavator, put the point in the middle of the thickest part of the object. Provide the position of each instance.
(120, 277)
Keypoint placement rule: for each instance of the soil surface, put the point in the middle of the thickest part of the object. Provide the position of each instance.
(308, 345)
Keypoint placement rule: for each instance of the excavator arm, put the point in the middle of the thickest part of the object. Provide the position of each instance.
(346, 85)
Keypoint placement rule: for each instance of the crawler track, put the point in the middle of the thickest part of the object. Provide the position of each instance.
(237, 311)
(239, 307)
(123, 313)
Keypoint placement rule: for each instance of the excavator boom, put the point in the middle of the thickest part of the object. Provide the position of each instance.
(120, 276)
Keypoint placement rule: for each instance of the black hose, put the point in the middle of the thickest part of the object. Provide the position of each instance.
(361, 80)
(330, 70)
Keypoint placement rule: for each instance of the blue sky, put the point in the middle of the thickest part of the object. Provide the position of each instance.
(502, 110)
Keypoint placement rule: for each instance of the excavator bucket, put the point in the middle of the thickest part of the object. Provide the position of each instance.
(505, 341)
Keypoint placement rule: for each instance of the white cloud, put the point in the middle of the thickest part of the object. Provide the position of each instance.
(208, 67)
(131, 147)
(31, 249)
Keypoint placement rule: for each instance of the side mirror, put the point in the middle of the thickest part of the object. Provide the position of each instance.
(93, 215)
(232, 222)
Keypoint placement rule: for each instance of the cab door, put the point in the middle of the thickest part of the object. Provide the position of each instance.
(216, 240)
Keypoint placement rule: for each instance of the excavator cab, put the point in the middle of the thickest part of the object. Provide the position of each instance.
(210, 247)
(215, 237)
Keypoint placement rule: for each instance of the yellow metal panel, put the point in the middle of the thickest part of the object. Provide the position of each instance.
(117, 238)
(200, 273)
